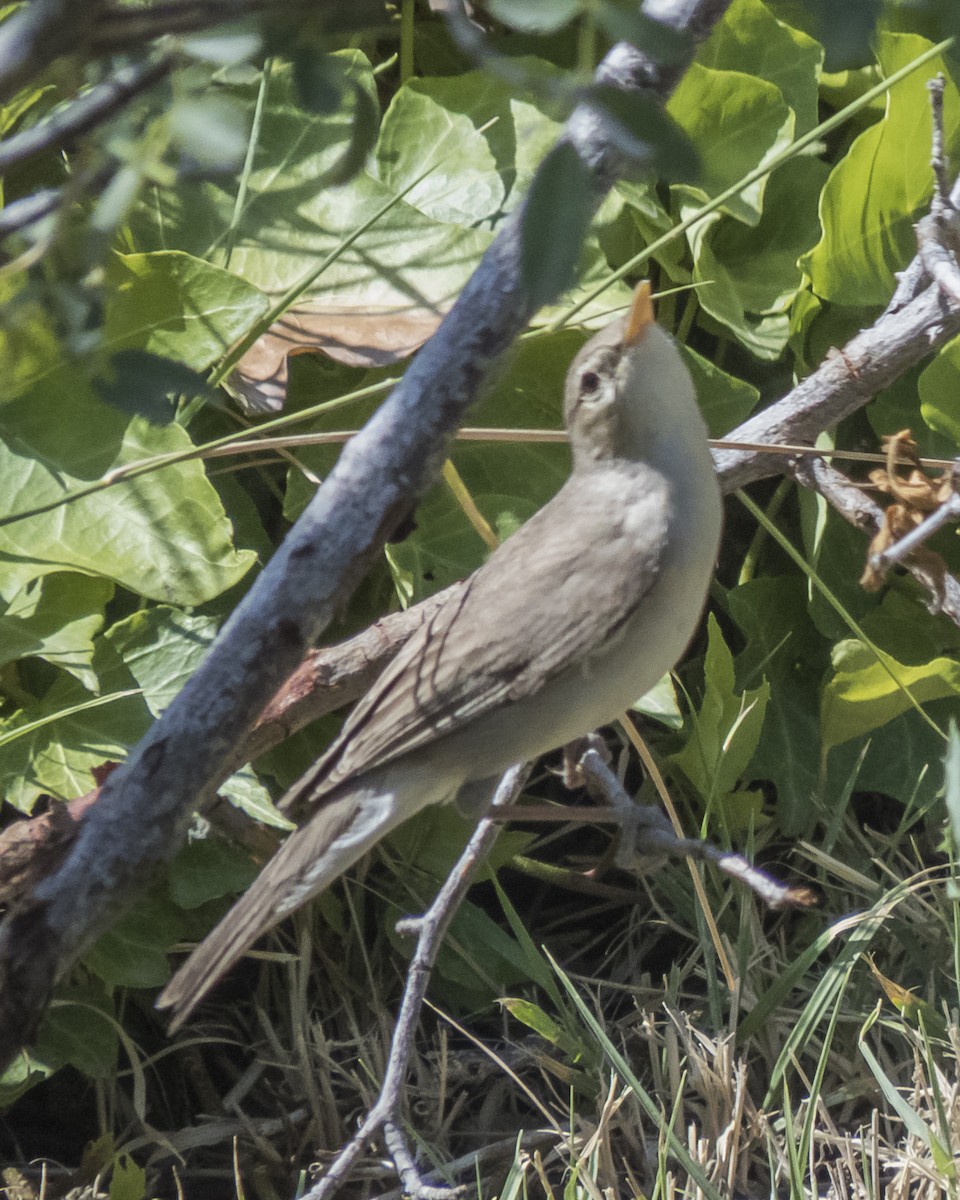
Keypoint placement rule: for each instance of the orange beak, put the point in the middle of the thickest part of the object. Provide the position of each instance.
(641, 315)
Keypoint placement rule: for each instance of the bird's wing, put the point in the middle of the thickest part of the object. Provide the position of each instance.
(597, 551)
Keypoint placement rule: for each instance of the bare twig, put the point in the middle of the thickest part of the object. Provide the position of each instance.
(948, 512)
(852, 503)
(385, 1113)
(940, 205)
(910, 282)
(938, 234)
(843, 383)
(89, 109)
(646, 830)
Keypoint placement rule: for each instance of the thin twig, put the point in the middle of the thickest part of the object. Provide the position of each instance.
(89, 109)
(851, 502)
(948, 512)
(911, 281)
(384, 1115)
(645, 830)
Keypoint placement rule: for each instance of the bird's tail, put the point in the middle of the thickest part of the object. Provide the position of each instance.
(310, 859)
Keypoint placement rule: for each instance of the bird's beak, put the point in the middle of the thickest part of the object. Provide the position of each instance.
(640, 317)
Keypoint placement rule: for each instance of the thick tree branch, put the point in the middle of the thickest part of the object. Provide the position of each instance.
(843, 383)
(146, 804)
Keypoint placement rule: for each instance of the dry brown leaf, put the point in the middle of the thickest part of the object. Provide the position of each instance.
(357, 337)
(915, 494)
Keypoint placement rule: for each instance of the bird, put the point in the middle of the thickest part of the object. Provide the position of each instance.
(568, 622)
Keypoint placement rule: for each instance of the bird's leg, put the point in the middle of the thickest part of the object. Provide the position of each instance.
(643, 828)
(573, 754)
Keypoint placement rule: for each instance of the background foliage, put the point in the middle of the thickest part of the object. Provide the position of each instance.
(358, 176)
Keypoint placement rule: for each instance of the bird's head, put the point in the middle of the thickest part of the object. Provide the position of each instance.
(619, 383)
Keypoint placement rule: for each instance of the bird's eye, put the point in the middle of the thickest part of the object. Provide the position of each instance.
(589, 382)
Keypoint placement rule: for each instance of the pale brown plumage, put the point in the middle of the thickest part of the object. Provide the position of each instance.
(573, 618)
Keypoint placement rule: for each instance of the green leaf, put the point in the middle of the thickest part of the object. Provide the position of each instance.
(363, 136)
(556, 217)
(435, 119)
(143, 384)
(882, 184)
(178, 307)
(164, 535)
(55, 617)
(939, 388)
(286, 223)
(479, 957)
(783, 647)
(727, 727)
(737, 122)
(749, 38)
(762, 262)
(208, 868)
(724, 400)
(79, 1030)
(846, 30)
(764, 336)
(534, 16)
(69, 735)
(544, 1026)
(245, 791)
(899, 762)
(133, 953)
(162, 647)
(661, 704)
(865, 693)
(28, 339)
(128, 1181)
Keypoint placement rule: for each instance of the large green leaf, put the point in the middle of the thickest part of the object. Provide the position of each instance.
(882, 184)
(162, 647)
(724, 400)
(752, 40)
(164, 535)
(177, 306)
(286, 224)
(866, 692)
(52, 745)
(55, 617)
(28, 340)
(761, 262)
(749, 275)
(737, 122)
(434, 119)
(133, 953)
